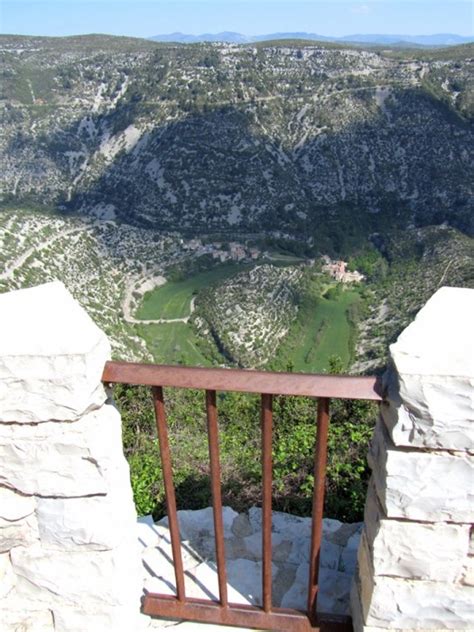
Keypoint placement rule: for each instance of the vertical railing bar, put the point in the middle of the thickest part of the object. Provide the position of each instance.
(320, 461)
(213, 439)
(165, 454)
(267, 422)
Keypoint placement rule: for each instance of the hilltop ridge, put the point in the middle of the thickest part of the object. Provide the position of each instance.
(210, 138)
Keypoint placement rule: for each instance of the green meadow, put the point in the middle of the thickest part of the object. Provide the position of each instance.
(173, 299)
(172, 343)
(328, 333)
(323, 329)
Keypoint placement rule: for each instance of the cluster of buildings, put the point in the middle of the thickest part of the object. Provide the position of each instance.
(233, 251)
(338, 270)
(237, 251)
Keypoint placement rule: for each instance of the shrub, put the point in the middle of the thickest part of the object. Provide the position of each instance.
(240, 440)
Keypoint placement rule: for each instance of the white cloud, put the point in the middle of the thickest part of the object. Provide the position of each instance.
(362, 9)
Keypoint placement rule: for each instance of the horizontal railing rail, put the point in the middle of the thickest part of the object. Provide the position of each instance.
(245, 381)
(211, 380)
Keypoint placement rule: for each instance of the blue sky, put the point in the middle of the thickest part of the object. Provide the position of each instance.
(251, 17)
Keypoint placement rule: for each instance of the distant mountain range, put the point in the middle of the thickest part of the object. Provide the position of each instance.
(438, 39)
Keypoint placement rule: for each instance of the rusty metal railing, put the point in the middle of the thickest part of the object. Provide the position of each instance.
(323, 387)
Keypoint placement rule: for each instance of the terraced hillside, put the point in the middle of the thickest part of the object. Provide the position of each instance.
(320, 141)
(107, 267)
(248, 315)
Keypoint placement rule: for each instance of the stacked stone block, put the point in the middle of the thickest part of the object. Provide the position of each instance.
(415, 561)
(68, 552)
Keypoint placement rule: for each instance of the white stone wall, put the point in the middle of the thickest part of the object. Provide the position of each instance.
(69, 560)
(415, 561)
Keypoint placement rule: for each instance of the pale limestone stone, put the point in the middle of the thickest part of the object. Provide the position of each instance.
(290, 579)
(446, 320)
(192, 522)
(414, 570)
(189, 626)
(281, 522)
(436, 420)
(348, 561)
(7, 576)
(68, 469)
(355, 607)
(147, 532)
(467, 576)
(425, 375)
(406, 604)
(95, 578)
(468, 569)
(159, 557)
(52, 356)
(421, 485)
(281, 546)
(31, 621)
(344, 535)
(358, 619)
(298, 551)
(389, 602)
(288, 524)
(201, 582)
(62, 459)
(242, 576)
(94, 523)
(412, 549)
(283, 580)
(334, 591)
(18, 532)
(241, 526)
(235, 548)
(14, 506)
(98, 620)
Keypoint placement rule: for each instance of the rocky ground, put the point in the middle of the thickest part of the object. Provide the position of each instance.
(242, 533)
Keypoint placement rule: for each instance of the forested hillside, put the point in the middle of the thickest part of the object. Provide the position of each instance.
(316, 140)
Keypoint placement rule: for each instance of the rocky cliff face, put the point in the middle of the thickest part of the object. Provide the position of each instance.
(305, 139)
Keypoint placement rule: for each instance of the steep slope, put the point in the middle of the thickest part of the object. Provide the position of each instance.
(328, 142)
(104, 265)
(248, 315)
(419, 262)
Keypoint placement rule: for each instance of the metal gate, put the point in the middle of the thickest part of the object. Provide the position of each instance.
(323, 387)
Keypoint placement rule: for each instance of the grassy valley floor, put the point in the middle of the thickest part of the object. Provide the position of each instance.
(173, 299)
(324, 329)
(176, 342)
(172, 343)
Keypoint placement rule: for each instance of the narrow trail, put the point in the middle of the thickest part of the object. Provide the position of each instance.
(445, 273)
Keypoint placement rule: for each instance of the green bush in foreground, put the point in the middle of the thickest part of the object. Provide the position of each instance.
(293, 449)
